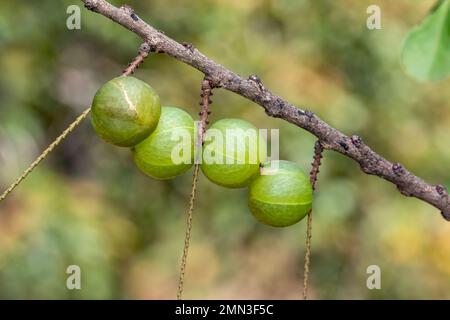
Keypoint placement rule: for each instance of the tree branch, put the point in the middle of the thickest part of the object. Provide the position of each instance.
(253, 89)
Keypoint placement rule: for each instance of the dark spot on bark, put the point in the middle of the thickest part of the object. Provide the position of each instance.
(254, 78)
(309, 114)
(145, 47)
(134, 17)
(398, 169)
(441, 190)
(344, 145)
(275, 108)
(188, 46)
(90, 6)
(356, 140)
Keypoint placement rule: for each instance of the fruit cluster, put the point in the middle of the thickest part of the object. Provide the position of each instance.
(127, 112)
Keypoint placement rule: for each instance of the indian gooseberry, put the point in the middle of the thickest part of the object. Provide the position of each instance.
(125, 110)
(169, 150)
(232, 153)
(282, 198)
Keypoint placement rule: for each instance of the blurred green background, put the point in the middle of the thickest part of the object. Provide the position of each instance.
(88, 205)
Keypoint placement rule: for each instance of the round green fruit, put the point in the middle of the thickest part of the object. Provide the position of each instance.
(125, 111)
(282, 198)
(232, 153)
(169, 150)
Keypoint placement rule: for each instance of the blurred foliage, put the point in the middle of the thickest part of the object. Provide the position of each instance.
(426, 52)
(88, 205)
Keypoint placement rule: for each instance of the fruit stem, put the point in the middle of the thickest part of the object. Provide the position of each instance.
(144, 50)
(187, 236)
(45, 153)
(318, 151)
(204, 113)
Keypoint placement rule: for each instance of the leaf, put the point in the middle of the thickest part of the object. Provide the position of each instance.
(426, 51)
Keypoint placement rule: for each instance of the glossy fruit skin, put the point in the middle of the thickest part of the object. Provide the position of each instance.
(235, 175)
(125, 110)
(153, 155)
(281, 199)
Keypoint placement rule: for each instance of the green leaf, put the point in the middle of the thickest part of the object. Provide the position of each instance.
(426, 51)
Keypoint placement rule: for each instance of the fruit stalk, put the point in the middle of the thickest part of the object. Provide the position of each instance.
(318, 151)
(205, 95)
(45, 153)
(201, 129)
(144, 50)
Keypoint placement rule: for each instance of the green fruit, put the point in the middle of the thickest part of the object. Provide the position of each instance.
(283, 198)
(125, 111)
(232, 153)
(174, 134)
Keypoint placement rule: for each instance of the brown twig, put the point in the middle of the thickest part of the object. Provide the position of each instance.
(201, 129)
(332, 139)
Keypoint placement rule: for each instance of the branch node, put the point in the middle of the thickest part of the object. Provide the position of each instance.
(153, 47)
(188, 46)
(274, 109)
(398, 169)
(356, 140)
(145, 47)
(441, 190)
(256, 80)
(300, 112)
(309, 114)
(134, 16)
(344, 145)
(143, 51)
(212, 83)
(90, 5)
